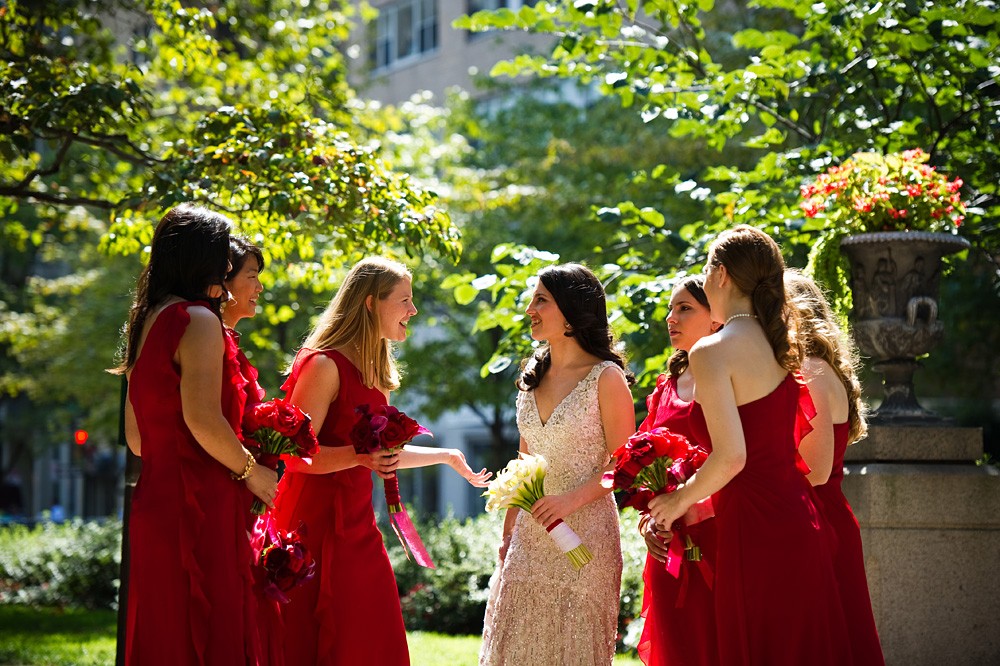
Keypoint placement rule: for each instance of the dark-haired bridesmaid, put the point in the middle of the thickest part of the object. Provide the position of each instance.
(244, 288)
(190, 597)
(679, 612)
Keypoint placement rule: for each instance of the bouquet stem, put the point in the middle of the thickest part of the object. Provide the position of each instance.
(404, 528)
(270, 460)
(568, 542)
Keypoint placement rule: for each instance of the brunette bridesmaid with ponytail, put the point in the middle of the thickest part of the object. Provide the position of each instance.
(776, 597)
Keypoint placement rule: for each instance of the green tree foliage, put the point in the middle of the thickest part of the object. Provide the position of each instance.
(795, 85)
(769, 94)
(112, 111)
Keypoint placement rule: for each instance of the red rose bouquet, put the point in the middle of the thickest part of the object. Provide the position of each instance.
(283, 561)
(655, 463)
(383, 427)
(279, 429)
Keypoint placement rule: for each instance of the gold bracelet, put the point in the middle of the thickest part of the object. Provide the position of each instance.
(251, 461)
(643, 523)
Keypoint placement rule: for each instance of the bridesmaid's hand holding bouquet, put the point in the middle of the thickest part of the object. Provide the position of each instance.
(279, 429)
(656, 463)
(383, 428)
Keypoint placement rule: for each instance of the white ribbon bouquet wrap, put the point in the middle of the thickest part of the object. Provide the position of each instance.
(521, 484)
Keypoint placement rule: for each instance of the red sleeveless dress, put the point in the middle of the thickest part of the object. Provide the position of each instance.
(776, 595)
(190, 598)
(349, 613)
(250, 394)
(673, 636)
(849, 559)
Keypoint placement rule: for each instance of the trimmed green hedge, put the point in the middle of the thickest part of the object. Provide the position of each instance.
(73, 564)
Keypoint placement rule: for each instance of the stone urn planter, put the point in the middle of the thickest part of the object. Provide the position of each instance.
(895, 283)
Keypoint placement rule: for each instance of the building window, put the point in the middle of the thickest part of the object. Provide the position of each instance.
(473, 6)
(404, 31)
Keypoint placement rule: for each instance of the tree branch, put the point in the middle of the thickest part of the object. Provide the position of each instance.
(52, 168)
(109, 143)
(16, 192)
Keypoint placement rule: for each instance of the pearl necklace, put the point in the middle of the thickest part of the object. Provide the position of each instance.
(738, 315)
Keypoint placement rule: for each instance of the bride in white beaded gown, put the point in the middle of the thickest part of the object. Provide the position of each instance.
(574, 408)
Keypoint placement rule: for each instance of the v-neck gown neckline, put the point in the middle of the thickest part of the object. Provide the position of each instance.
(555, 410)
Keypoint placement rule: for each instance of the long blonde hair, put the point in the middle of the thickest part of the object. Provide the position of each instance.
(820, 336)
(349, 322)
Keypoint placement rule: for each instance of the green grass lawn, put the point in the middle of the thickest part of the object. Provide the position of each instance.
(52, 637)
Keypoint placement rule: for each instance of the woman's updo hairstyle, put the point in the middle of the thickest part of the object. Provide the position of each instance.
(580, 297)
(239, 250)
(694, 285)
(754, 262)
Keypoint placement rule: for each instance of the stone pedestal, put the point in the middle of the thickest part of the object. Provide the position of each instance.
(931, 533)
(917, 444)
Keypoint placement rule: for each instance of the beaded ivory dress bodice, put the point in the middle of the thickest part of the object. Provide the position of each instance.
(540, 609)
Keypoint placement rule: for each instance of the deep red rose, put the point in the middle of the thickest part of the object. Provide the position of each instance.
(394, 434)
(285, 562)
(275, 559)
(383, 427)
(667, 443)
(305, 439)
(287, 419)
(363, 438)
(258, 417)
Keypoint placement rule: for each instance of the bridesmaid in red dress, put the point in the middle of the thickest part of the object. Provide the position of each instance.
(776, 596)
(830, 373)
(190, 595)
(349, 612)
(244, 287)
(672, 635)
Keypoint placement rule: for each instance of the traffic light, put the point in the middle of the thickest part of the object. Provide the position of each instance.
(80, 437)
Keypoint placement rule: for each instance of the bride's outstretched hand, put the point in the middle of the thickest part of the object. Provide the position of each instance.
(478, 479)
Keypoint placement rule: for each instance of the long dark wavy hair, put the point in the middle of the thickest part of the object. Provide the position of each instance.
(695, 285)
(189, 254)
(580, 297)
(754, 262)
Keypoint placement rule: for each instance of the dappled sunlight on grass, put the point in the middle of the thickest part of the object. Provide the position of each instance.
(54, 637)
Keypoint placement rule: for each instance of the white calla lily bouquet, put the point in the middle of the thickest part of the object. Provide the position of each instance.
(521, 484)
